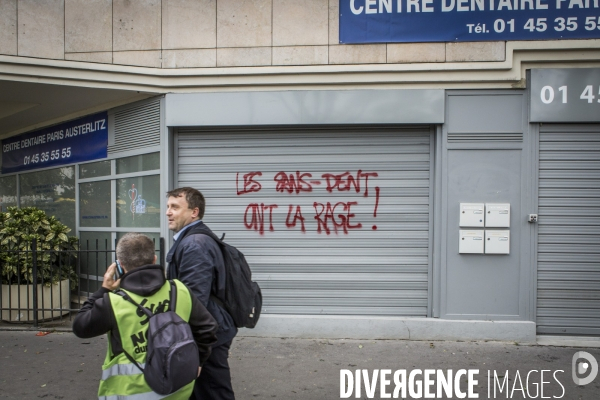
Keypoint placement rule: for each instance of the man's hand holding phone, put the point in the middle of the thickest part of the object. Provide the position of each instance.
(111, 280)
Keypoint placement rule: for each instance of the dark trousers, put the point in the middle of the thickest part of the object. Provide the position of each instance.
(214, 382)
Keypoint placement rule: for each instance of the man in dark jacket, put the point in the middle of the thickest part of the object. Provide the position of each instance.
(196, 260)
(142, 277)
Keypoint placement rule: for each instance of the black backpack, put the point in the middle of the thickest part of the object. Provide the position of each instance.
(243, 297)
(172, 359)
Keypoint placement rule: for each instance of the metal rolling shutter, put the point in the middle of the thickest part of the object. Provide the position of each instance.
(366, 271)
(568, 298)
(136, 127)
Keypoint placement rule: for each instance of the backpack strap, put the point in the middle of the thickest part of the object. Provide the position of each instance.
(145, 311)
(205, 230)
(172, 304)
(199, 229)
(133, 361)
(172, 296)
(221, 246)
(124, 295)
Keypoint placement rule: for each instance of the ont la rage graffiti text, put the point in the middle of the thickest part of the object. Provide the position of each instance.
(329, 216)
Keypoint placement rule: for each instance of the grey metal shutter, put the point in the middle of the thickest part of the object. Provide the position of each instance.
(380, 268)
(568, 298)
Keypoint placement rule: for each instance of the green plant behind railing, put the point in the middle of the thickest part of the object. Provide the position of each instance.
(56, 252)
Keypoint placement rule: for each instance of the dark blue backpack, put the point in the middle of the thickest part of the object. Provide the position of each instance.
(172, 359)
(243, 297)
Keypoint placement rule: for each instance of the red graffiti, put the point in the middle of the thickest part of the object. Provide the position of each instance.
(330, 216)
(376, 205)
(326, 215)
(257, 221)
(297, 216)
(292, 183)
(250, 185)
(344, 182)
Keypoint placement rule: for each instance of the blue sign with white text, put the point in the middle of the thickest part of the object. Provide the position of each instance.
(75, 141)
(385, 21)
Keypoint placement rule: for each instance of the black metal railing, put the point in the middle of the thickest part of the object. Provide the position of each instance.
(44, 285)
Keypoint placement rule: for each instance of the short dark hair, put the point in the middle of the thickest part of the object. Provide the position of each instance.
(135, 250)
(193, 197)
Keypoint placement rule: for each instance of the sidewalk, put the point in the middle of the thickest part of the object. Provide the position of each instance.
(62, 366)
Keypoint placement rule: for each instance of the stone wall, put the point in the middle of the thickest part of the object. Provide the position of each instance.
(205, 33)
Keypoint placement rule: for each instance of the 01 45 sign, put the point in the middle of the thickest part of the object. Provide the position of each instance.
(548, 94)
(565, 95)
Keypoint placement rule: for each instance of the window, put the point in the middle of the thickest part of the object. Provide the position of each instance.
(138, 202)
(94, 204)
(8, 192)
(113, 197)
(144, 162)
(93, 170)
(51, 190)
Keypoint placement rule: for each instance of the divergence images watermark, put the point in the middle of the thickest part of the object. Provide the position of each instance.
(580, 368)
(437, 383)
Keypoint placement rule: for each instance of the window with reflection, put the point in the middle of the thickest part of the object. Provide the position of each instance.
(94, 170)
(94, 204)
(8, 192)
(53, 191)
(138, 202)
(144, 162)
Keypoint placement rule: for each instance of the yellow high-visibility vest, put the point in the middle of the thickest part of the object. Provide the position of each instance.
(121, 379)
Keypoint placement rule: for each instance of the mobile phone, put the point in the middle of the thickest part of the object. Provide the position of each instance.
(118, 271)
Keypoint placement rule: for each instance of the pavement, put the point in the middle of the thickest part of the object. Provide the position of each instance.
(58, 365)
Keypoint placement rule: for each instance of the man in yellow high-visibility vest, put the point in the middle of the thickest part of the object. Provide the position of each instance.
(106, 312)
